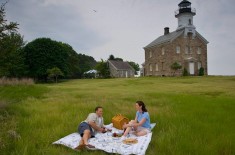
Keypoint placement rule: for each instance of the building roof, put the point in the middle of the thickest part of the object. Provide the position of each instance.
(165, 38)
(201, 37)
(120, 65)
(170, 37)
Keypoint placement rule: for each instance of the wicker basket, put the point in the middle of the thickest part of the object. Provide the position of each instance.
(119, 120)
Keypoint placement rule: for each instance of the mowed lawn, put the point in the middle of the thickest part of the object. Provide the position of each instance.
(194, 115)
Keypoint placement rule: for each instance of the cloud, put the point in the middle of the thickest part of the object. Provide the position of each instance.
(123, 28)
(54, 19)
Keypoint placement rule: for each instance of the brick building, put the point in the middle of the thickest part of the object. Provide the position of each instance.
(184, 46)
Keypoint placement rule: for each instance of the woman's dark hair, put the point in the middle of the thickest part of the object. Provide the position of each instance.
(141, 103)
(96, 108)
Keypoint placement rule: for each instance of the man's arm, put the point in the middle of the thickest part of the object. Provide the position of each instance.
(94, 126)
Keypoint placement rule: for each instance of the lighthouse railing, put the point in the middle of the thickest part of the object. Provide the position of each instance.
(186, 9)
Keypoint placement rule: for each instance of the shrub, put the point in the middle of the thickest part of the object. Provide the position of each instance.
(201, 71)
(55, 72)
(175, 66)
(185, 72)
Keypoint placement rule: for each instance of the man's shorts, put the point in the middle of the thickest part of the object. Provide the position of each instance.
(85, 126)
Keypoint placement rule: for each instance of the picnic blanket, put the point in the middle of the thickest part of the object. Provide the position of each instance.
(110, 144)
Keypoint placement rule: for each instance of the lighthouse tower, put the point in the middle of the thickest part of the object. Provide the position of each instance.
(184, 46)
(185, 18)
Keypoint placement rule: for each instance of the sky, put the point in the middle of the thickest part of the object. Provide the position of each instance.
(99, 28)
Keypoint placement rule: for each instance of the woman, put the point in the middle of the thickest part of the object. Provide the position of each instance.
(141, 124)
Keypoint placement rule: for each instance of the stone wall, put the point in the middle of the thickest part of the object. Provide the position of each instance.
(170, 56)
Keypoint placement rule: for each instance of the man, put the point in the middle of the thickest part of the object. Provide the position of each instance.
(87, 129)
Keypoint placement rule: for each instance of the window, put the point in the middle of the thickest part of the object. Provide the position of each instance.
(199, 50)
(156, 67)
(188, 50)
(177, 49)
(189, 22)
(150, 67)
(150, 54)
(199, 65)
(163, 51)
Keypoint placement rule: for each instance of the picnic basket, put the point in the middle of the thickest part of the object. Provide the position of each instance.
(119, 120)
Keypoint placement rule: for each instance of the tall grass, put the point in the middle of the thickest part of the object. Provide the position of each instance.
(194, 115)
(12, 96)
(15, 81)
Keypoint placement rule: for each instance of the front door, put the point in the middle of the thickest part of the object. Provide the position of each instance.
(191, 68)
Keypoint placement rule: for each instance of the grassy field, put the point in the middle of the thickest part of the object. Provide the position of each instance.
(195, 115)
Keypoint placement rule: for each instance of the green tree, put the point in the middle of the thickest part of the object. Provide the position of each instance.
(111, 57)
(175, 66)
(77, 63)
(11, 43)
(73, 62)
(103, 69)
(42, 54)
(135, 66)
(86, 63)
(54, 72)
(118, 59)
(6, 28)
(11, 56)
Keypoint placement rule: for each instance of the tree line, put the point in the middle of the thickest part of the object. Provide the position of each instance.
(42, 58)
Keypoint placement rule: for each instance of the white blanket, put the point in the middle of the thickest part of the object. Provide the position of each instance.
(107, 143)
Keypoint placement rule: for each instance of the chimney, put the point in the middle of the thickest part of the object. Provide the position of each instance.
(166, 30)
